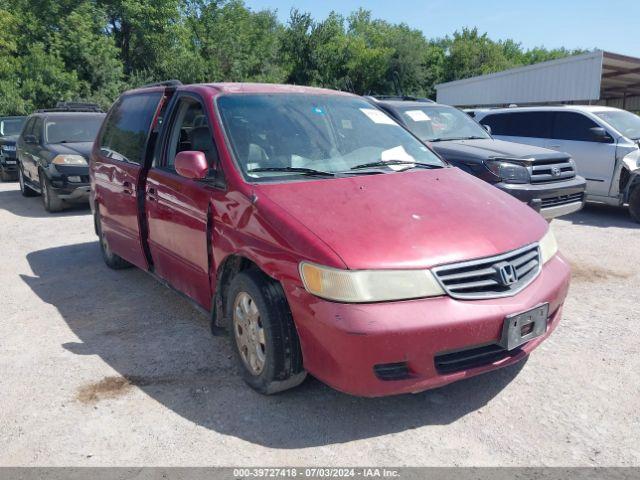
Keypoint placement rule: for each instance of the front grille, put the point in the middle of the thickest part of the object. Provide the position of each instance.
(562, 200)
(553, 170)
(478, 279)
(471, 358)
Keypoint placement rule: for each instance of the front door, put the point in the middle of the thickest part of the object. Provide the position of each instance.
(117, 173)
(177, 208)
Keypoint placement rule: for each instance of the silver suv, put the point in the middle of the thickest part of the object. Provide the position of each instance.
(603, 141)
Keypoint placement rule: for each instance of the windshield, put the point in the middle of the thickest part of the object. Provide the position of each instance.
(627, 123)
(11, 126)
(435, 123)
(73, 129)
(323, 133)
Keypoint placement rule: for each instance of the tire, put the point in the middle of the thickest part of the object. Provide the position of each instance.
(25, 189)
(111, 259)
(634, 203)
(50, 200)
(260, 318)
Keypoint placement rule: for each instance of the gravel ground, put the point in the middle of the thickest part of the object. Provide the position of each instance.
(99, 367)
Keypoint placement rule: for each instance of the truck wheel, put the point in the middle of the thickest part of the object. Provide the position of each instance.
(112, 260)
(52, 203)
(25, 189)
(263, 334)
(634, 203)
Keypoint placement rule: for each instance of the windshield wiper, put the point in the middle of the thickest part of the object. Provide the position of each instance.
(453, 139)
(382, 163)
(300, 170)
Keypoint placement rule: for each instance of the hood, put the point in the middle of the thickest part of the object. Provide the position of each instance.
(79, 148)
(415, 219)
(479, 150)
(9, 140)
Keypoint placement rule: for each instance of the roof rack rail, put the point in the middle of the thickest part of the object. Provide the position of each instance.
(402, 97)
(164, 83)
(73, 107)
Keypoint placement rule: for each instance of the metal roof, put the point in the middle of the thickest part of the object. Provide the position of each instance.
(589, 77)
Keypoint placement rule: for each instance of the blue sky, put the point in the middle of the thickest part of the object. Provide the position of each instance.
(612, 25)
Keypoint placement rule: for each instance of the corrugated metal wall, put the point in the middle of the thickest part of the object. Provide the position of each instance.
(567, 79)
(632, 103)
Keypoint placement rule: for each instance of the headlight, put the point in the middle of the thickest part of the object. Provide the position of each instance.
(72, 160)
(9, 148)
(361, 286)
(548, 246)
(508, 172)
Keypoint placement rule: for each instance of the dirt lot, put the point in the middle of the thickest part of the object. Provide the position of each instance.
(110, 368)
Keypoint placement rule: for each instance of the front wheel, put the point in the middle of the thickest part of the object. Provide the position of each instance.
(634, 203)
(50, 200)
(263, 334)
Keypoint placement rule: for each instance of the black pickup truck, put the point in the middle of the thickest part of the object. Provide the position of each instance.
(544, 179)
(9, 130)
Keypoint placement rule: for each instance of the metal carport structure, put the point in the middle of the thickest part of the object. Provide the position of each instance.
(596, 77)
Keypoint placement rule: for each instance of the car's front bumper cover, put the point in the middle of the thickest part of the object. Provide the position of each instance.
(548, 198)
(343, 343)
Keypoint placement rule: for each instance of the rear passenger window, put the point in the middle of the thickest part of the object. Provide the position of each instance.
(37, 130)
(127, 126)
(573, 126)
(28, 127)
(520, 124)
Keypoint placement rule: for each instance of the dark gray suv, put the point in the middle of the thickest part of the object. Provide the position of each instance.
(544, 179)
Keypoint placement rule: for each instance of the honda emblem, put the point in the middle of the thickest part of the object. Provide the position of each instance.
(507, 273)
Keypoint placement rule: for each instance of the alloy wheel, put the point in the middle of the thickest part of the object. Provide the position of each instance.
(249, 333)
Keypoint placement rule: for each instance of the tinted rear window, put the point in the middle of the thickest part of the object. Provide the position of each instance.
(127, 126)
(520, 124)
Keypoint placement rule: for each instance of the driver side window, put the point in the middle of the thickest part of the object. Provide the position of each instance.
(190, 131)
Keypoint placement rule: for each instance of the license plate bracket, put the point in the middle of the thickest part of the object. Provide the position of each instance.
(521, 327)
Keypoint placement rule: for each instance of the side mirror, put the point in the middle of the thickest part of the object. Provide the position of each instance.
(487, 128)
(30, 139)
(599, 134)
(193, 165)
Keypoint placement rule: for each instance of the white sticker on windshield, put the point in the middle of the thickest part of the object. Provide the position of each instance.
(377, 116)
(418, 116)
(399, 154)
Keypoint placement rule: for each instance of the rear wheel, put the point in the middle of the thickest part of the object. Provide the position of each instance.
(52, 203)
(25, 189)
(634, 203)
(263, 334)
(112, 260)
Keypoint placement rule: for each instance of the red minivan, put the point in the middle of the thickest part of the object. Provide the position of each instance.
(322, 236)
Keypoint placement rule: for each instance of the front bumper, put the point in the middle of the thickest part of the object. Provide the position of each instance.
(550, 199)
(60, 179)
(78, 193)
(343, 343)
(9, 163)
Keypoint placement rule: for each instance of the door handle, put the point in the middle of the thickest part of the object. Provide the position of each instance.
(126, 188)
(151, 194)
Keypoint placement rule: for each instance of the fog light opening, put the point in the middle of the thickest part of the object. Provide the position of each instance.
(392, 371)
